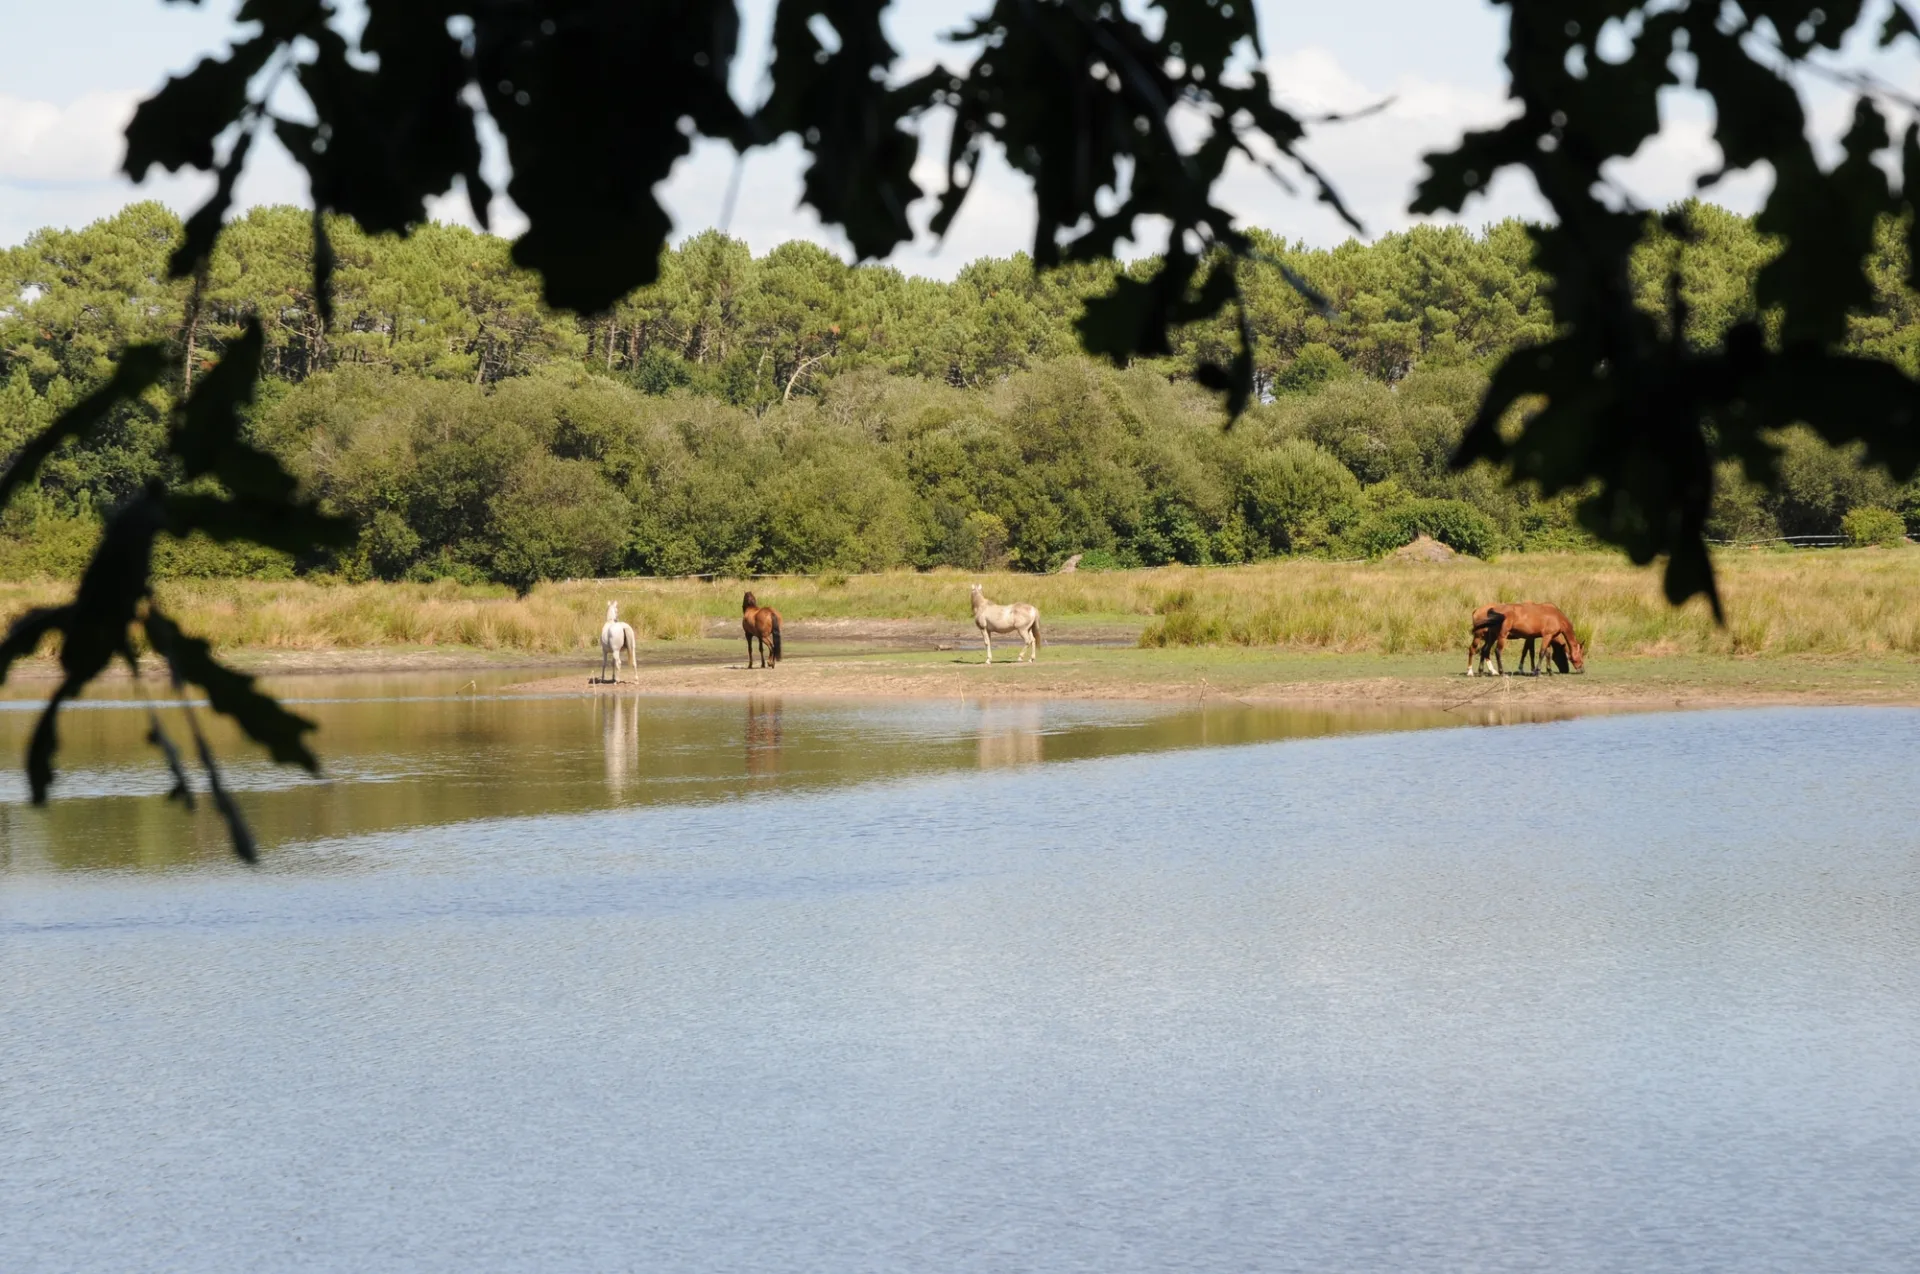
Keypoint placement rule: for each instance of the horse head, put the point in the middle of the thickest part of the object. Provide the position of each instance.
(748, 602)
(1576, 654)
(613, 611)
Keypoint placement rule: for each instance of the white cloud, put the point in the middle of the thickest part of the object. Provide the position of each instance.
(42, 142)
(59, 165)
(1375, 161)
(1668, 167)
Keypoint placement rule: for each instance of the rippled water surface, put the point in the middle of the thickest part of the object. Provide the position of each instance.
(724, 985)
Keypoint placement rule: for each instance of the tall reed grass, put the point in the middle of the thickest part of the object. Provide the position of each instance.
(1863, 601)
(1837, 602)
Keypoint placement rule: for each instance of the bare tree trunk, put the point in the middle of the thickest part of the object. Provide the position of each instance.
(193, 347)
(800, 368)
(193, 331)
(609, 344)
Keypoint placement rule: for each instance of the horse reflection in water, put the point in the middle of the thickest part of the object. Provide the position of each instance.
(1011, 735)
(620, 737)
(763, 735)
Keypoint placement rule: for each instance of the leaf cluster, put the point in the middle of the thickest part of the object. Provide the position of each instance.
(1620, 398)
(246, 494)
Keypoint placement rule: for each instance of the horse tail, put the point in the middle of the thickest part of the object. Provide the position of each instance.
(776, 635)
(1036, 632)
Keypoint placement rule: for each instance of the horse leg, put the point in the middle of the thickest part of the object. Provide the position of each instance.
(986, 635)
(1033, 640)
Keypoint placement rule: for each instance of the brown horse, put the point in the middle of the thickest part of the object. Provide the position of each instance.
(1533, 622)
(762, 622)
(1482, 634)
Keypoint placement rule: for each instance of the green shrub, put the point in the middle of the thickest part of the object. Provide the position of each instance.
(1454, 523)
(198, 557)
(445, 566)
(557, 519)
(1103, 560)
(390, 544)
(50, 547)
(1312, 367)
(983, 542)
(1172, 533)
(657, 372)
(1866, 526)
(1297, 496)
(1179, 624)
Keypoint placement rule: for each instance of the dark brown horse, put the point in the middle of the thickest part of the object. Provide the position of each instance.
(762, 622)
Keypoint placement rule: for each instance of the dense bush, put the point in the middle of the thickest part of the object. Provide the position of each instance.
(1454, 523)
(791, 413)
(1297, 497)
(1864, 526)
(557, 519)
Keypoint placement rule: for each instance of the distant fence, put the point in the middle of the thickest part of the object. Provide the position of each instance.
(1792, 541)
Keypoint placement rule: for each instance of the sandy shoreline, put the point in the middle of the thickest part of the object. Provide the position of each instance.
(903, 660)
(1259, 679)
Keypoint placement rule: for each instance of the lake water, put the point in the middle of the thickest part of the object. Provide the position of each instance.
(715, 985)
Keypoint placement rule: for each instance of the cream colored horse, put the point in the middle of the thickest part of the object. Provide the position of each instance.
(1017, 618)
(614, 638)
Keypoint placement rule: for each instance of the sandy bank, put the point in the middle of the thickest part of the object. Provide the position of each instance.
(913, 659)
(1269, 677)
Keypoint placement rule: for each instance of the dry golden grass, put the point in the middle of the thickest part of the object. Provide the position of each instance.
(317, 615)
(1864, 601)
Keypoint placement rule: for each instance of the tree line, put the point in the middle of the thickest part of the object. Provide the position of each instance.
(790, 412)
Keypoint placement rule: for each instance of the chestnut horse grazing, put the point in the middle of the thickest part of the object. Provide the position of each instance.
(1016, 618)
(1533, 622)
(762, 622)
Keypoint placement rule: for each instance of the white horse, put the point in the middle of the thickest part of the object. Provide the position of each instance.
(1018, 618)
(614, 638)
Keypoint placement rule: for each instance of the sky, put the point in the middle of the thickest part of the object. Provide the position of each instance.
(71, 73)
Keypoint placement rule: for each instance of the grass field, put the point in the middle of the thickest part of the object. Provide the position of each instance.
(1839, 602)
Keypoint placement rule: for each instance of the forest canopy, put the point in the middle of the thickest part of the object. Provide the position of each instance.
(793, 413)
